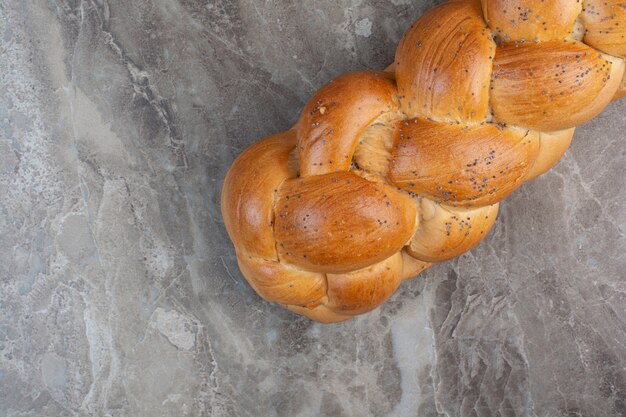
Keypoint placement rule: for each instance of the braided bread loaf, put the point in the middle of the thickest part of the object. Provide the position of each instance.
(389, 171)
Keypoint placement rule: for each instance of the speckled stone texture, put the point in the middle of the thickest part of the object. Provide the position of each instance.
(119, 289)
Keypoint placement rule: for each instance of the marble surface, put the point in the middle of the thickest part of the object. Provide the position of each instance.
(119, 290)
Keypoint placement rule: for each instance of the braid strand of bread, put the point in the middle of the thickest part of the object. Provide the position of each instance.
(387, 172)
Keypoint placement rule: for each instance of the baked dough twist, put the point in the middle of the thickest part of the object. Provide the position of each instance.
(389, 171)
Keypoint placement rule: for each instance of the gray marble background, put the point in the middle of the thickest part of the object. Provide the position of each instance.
(119, 290)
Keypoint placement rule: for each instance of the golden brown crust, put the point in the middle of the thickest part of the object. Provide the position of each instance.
(553, 146)
(336, 115)
(373, 153)
(461, 166)
(361, 291)
(605, 25)
(552, 86)
(318, 218)
(321, 314)
(443, 64)
(281, 283)
(531, 20)
(447, 232)
(412, 267)
(386, 179)
(247, 204)
(621, 91)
